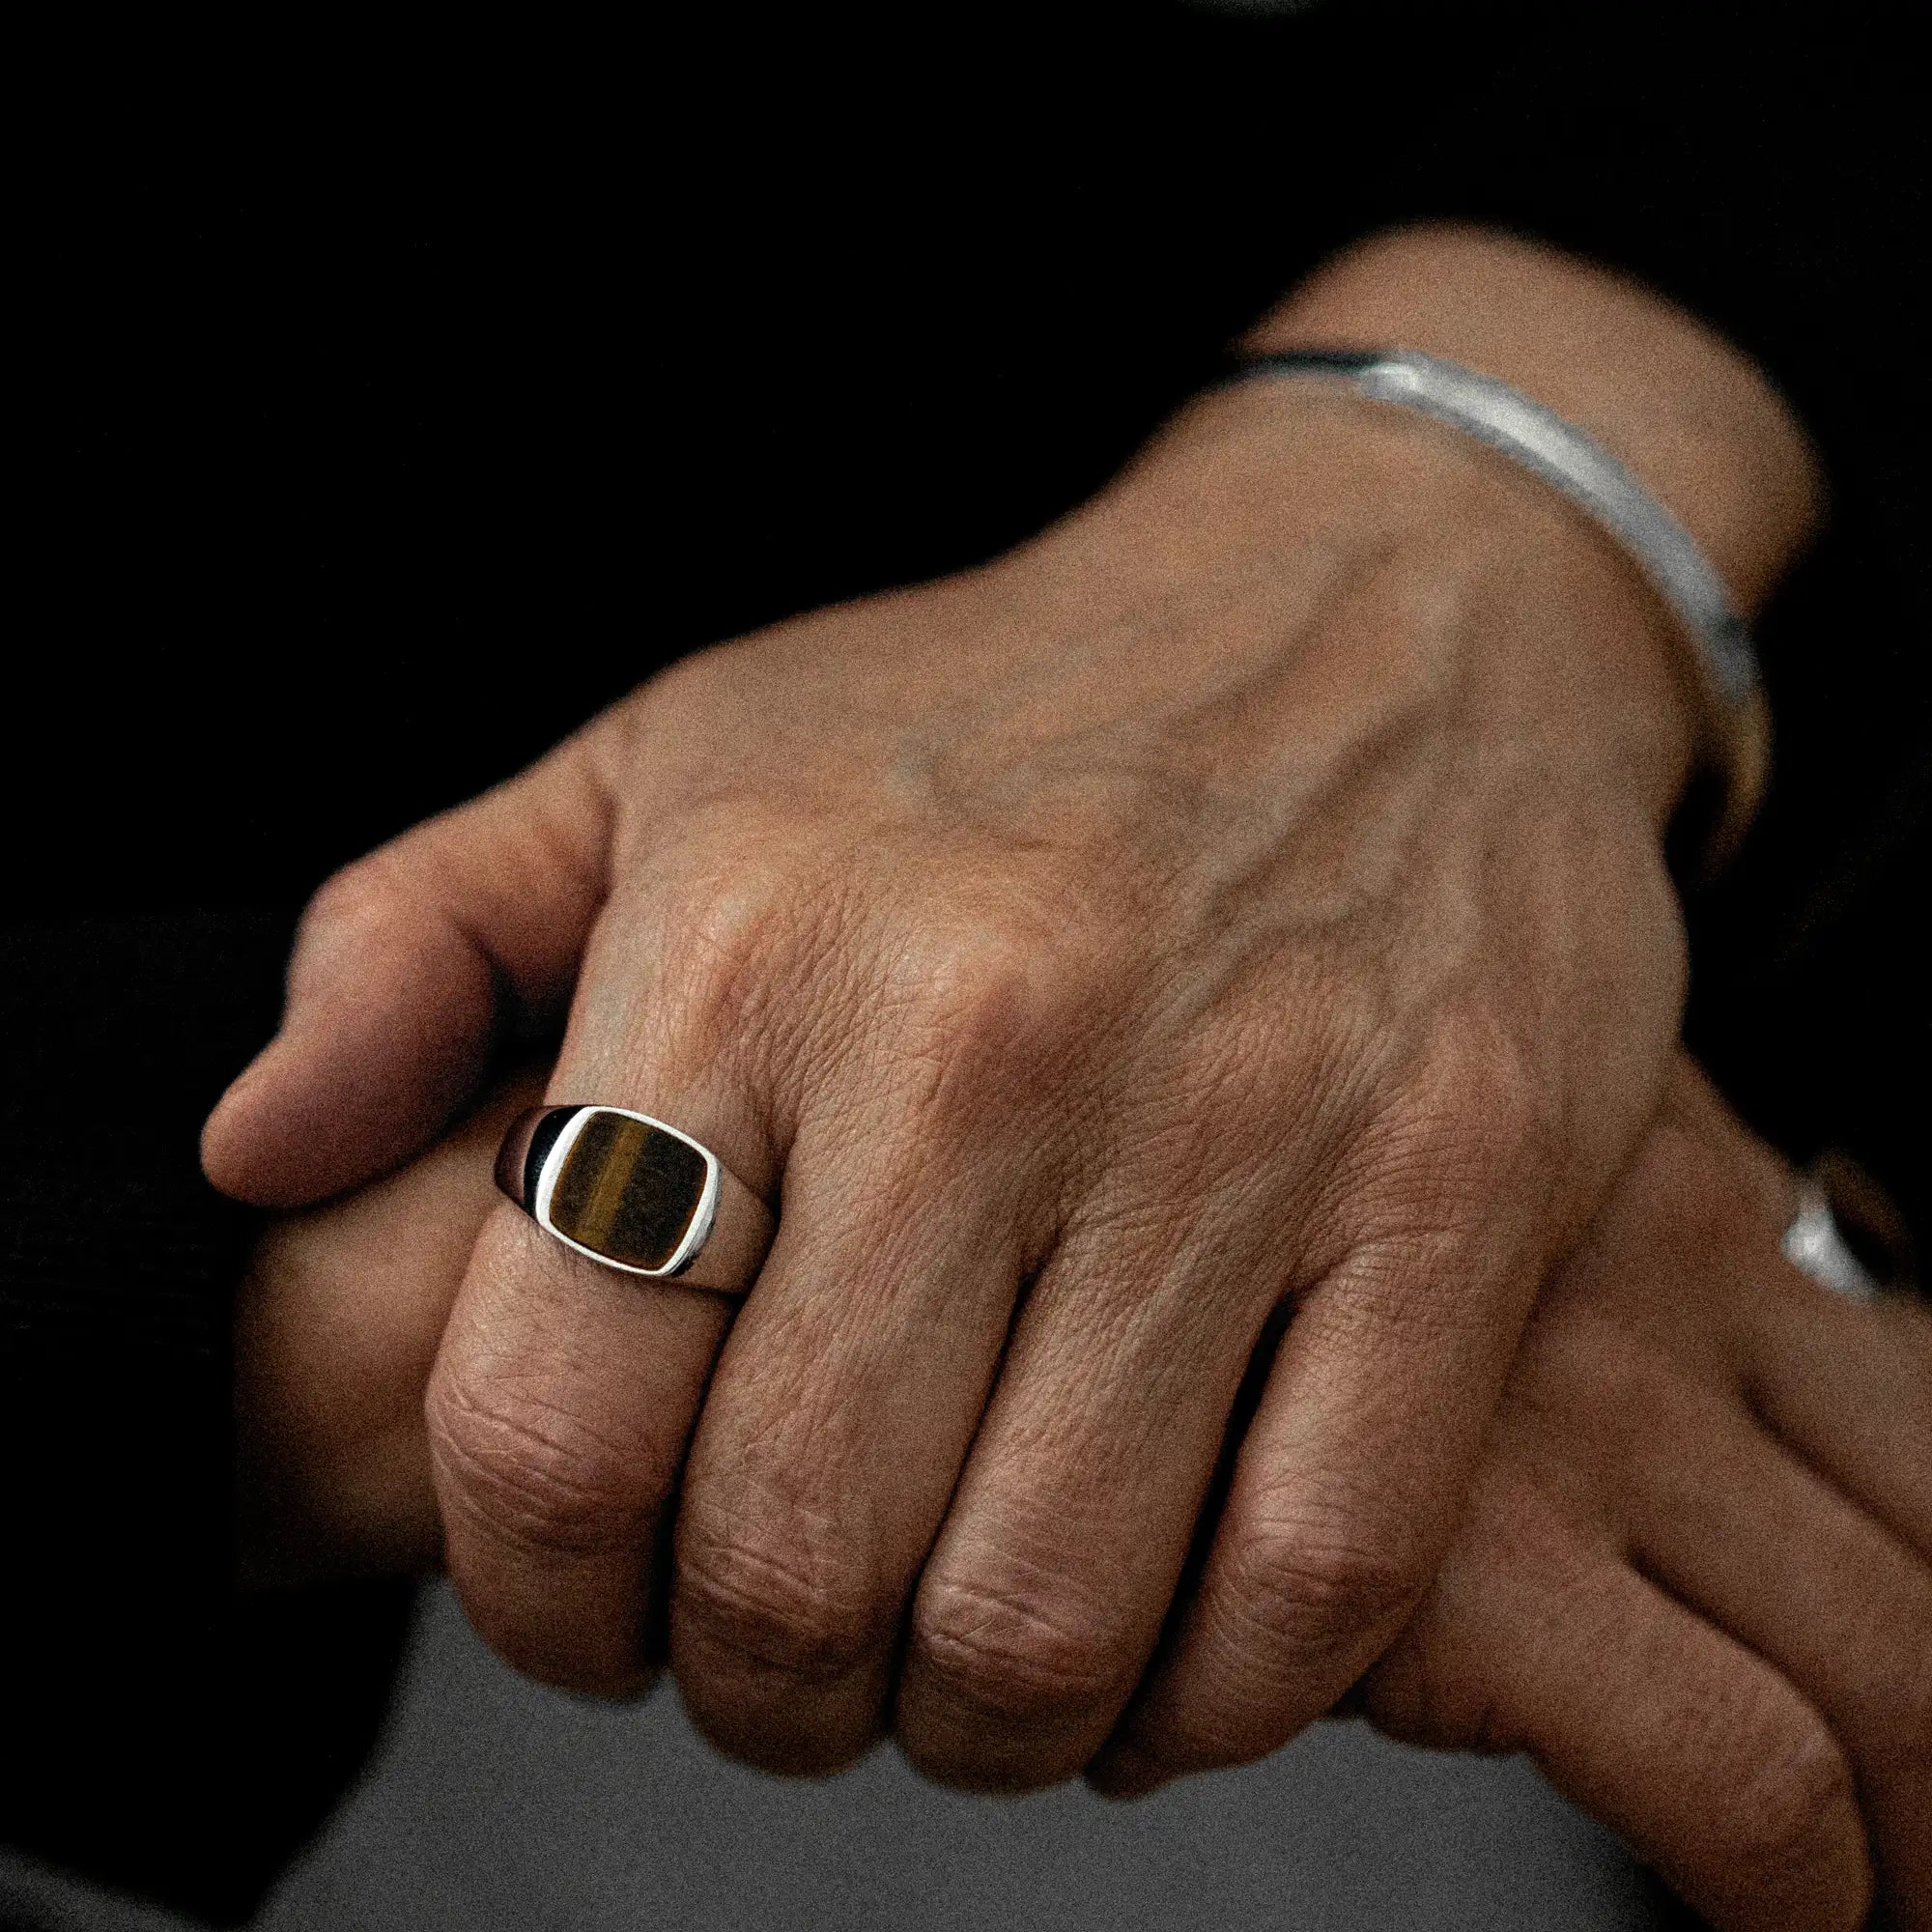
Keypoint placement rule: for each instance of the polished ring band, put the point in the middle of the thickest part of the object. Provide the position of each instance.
(635, 1194)
(1816, 1245)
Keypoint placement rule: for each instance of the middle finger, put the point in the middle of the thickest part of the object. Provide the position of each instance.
(839, 1413)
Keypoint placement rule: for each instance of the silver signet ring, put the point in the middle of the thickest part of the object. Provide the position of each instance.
(635, 1194)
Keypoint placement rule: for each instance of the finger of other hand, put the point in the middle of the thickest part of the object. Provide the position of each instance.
(1695, 1749)
(1848, 1387)
(1772, 1553)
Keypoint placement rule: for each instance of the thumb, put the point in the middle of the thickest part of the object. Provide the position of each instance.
(407, 965)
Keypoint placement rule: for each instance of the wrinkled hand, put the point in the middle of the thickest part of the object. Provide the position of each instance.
(1695, 1583)
(1251, 889)
(1094, 968)
(336, 1327)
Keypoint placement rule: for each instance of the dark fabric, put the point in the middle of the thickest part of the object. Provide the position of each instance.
(397, 409)
(157, 1733)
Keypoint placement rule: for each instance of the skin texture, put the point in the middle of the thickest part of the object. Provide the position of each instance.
(336, 1328)
(1694, 1582)
(1249, 890)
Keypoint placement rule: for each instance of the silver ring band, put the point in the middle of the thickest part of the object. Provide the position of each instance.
(634, 1193)
(1814, 1245)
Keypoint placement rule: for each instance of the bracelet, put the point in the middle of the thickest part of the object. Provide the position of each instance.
(1723, 660)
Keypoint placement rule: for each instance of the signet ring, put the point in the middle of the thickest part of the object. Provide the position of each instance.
(637, 1194)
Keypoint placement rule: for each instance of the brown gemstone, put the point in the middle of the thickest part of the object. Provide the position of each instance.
(627, 1191)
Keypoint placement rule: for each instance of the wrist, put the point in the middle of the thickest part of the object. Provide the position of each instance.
(1696, 425)
(1692, 418)
(1542, 635)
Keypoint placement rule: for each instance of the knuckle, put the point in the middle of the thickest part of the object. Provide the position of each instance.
(1468, 1127)
(979, 1003)
(1307, 1588)
(533, 1475)
(750, 921)
(774, 1601)
(971, 972)
(1479, 1092)
(361, 894)
(1796, 1815)
(732, 920)
(1017, 1653)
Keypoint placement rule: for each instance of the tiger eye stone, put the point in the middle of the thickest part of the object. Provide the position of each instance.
(627, 1191)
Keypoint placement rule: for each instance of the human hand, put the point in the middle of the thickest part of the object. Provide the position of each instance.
(1251, 888)
(1695, 1581)
(336, 1327)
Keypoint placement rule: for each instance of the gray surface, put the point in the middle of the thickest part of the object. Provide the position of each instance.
(49, 1901)
(497, 1805)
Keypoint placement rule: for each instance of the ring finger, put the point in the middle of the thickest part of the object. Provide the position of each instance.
(564, 1392)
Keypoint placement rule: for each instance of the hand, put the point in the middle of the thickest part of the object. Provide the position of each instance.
(1695, 1580)
(1251, 888)
(336, 1327)
(1695, 1583)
